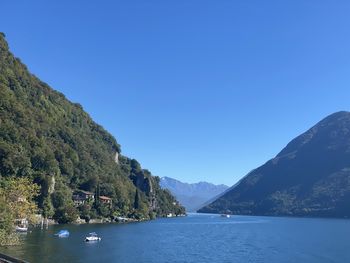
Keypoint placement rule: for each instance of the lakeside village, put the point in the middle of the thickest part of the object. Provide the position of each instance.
(82, 199)
(19, 208)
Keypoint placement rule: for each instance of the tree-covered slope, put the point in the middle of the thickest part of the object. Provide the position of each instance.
(56, 143)
(309, 177)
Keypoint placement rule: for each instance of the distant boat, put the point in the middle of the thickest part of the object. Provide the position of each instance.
(225, 215)
(62, 233)
(92, 237)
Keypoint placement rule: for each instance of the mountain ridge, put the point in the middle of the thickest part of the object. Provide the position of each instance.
(308, 177)
(48, 138)
(192, 195)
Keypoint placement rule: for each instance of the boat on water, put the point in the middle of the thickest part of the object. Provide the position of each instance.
(21, 228)
(62, 233)
(92, 237)
(21, 225)
(225, 215)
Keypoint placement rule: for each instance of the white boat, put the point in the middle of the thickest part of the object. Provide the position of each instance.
(21, 225)
(92, 237)
(62, 233)
(225, 215)
(21, 228)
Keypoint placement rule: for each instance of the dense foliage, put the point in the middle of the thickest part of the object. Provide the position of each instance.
(16, 202)
(309, 177)
(45, 137)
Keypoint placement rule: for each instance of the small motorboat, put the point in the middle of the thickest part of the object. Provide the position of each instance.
(92, 237)
(21, 225)
(225, 215)
(21, 228)
(62, 233)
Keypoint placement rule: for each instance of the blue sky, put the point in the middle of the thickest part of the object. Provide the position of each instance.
(195, 90)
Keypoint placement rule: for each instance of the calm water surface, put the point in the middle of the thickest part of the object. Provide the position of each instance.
(196, 238)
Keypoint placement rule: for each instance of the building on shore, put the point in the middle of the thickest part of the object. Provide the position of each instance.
(81, 197)
(105, 200)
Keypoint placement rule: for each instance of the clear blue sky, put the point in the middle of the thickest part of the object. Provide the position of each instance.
(195, 90)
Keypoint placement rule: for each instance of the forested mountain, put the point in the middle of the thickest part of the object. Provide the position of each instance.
(55, 142)
(192, 196)
(309, 177)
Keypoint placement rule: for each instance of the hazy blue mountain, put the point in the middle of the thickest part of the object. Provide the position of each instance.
(192, 196)
(309, 177)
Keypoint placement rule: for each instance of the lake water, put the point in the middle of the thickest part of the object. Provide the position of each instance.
(195, 238)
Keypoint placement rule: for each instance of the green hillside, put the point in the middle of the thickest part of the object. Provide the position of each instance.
(55, 142)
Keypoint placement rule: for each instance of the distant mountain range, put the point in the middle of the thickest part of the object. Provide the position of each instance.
(309, 177)
(192, 196)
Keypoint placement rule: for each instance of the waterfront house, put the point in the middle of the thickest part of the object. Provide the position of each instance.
(80, 197)
(105, 200)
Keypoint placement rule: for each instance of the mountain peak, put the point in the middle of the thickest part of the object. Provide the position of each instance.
(337, 118)
(333, 129)
(310, 176)
(339, 114)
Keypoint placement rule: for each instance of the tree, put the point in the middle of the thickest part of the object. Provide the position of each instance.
(137, 199)
(6, 217)
(85, 212)
(48, 209)
(65, 212)
(16, 202)
(19, 193)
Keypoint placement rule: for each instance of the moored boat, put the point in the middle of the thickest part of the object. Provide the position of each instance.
(21, 228)
(21, 225)
(62, 233)
(92, 237)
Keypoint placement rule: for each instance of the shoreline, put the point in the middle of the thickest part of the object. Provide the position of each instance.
(117, 220)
